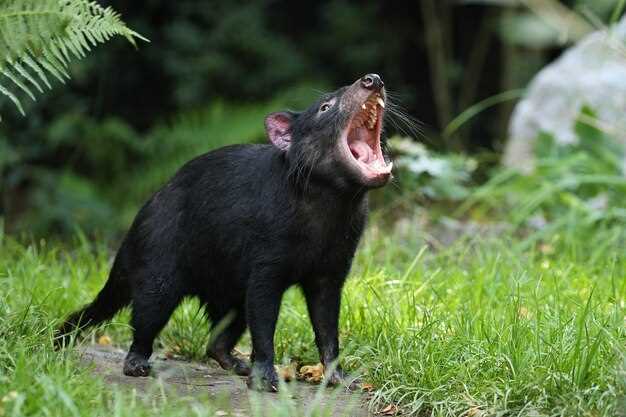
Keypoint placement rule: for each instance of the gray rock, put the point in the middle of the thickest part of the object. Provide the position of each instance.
(593, 73)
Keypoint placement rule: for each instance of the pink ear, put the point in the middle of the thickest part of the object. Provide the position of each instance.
(278, 127)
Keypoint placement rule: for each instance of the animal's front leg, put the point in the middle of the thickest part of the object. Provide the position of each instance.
(323, 299)
(262, 305)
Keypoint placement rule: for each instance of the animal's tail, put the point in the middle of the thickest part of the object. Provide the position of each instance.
(112, 298)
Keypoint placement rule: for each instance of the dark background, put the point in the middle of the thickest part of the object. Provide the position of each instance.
(127, 112)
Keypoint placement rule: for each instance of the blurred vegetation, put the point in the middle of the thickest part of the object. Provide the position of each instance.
(581, 183)
(89, 153)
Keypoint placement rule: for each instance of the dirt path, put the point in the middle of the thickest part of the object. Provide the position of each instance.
(198, 380)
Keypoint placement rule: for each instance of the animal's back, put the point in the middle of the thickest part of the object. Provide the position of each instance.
(204, 217)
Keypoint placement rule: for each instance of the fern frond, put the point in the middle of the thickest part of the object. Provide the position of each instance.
(39, 38)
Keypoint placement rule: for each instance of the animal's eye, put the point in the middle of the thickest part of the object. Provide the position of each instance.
(324, 107)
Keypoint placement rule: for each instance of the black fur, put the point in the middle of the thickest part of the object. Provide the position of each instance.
(236, 227)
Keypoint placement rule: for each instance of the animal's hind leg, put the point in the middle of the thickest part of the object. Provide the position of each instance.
(152, 308)
(221, 345)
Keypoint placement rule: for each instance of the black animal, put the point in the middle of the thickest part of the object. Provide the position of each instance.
(239, 225)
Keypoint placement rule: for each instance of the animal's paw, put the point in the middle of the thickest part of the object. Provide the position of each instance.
(263, 378)
(231, 363)
(136, 365)
(339, 377)
(241, 367)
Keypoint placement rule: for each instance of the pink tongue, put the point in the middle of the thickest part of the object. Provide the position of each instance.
(361, 151)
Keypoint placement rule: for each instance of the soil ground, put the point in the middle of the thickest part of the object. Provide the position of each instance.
(198, 380)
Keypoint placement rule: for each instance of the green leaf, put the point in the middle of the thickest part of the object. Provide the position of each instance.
(12, 97)
(40, 37)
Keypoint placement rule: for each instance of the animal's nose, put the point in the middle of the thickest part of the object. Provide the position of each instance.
(372, 82)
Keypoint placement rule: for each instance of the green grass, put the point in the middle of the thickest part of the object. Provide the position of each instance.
(488, 326)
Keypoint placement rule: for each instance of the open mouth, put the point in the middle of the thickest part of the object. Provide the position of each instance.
(363, 139)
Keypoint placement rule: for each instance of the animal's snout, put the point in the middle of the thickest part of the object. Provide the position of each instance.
(372, 82)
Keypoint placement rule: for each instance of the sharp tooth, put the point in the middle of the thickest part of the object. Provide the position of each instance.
(380, 102)
(371, 122)
(363, 106)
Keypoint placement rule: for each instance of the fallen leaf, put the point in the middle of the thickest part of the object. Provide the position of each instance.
(390, 410)
(475, 411)
(287, 372)
(104, 340)
(367, 387)
(312, 373)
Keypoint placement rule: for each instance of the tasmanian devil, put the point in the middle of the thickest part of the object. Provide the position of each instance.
(239, 225)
